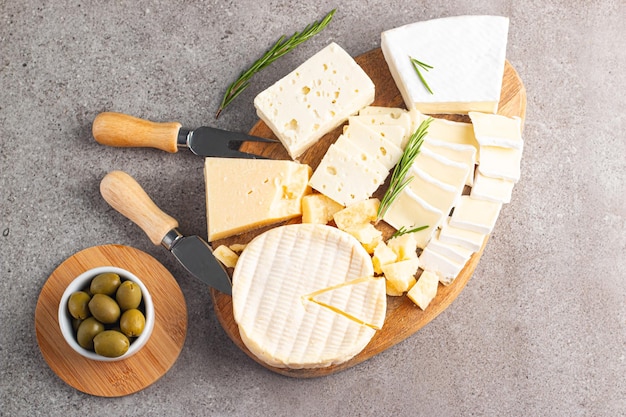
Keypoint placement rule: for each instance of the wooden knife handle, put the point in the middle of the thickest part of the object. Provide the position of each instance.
(126, 196)
(122, 130)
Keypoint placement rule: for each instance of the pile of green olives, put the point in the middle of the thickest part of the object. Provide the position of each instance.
(108, 315)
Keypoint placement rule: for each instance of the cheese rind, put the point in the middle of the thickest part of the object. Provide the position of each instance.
(455, 152)
(274, 272)
(498, 162)
(492, 189)
(314, 98)
(445, 268)
(466, 238)
(497, 130)
(467, 54)
(243, 194)
(477, 215)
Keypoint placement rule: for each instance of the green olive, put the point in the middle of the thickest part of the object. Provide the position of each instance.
(105, 283)
(75, 324)
(77, 304)
(111, 343)
(128, 295)
(132, 322)
(104, 308)
(87, 330)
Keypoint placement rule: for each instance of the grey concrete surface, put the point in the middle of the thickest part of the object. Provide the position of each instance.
(540, 330)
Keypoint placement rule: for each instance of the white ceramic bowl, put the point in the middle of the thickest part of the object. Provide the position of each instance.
(81, 282)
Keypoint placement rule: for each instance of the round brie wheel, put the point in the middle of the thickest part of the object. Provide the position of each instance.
(276, 286)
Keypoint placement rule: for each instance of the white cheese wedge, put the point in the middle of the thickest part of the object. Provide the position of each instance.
(462, 237)
(361, 300)
(467, 54)
(500, 162)
(243, 194)
(425, 290)
(395, 133)
(442, 168)
(347, 175)
(317, 208)
(280, 267)
(455, 252)
(492, 189)
(445, 268)
(497, 130)
(476, 215)
(382, 149)
(314, 98)
(459, 133)
(455, 152)
(410, 211)
(438, 194)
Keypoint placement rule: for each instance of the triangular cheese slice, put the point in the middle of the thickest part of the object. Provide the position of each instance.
(362, 300)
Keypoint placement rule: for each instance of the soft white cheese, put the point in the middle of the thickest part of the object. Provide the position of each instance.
(445, 268)
(455, 252)
(438, 194)
(459, 236)
(455, 152)
(467, 54)
(314, 98)
(497, 162)
(476, 215)
(492, 189)
(497, 130)
(442, 168)
(443, 130)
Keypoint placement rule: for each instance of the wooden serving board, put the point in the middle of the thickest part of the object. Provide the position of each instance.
(403, 318)
(113, 379)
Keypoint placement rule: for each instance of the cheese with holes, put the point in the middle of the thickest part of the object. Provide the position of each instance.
(384, 120)
(423, 292)
(276, 273)
(314, 98)
(467, 54)
(243, 194)
(382, 149)
(396, 134)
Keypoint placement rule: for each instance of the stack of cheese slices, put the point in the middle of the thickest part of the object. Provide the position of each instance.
(313, 294)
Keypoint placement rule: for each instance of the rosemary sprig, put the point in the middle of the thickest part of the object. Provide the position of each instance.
(280, 48)
(403, 230)
(399, 179)
(417, 65)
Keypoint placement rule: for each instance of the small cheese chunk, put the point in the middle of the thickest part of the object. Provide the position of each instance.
(445, 268)
(492, 189)
(376, 145)
(497, 162)
(317, 208)
(467, 54)
(462, 237)
(367, 234)
(314, 98)
(497, 130)
(237, 247)
(410, 211)
(401, 274)
(357, 214)
(345, 177)
(423, 292)
(243, 194)
(404, 246)
(476, 215)
(455, 152)
(383, 255)
(226, 255)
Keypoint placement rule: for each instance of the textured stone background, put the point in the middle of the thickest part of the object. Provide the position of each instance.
(539, 330)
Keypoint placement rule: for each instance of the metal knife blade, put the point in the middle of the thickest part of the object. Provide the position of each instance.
(210, 141)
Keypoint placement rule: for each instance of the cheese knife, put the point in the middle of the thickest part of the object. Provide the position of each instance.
(127, 197)
(123, 130)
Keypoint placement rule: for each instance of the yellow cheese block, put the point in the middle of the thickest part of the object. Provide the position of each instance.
(243, 194)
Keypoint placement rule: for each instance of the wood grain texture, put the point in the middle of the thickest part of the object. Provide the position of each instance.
(114, 379)
(404, 318)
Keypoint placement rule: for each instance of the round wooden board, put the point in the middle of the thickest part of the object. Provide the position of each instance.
(114, 379)
(403, 318)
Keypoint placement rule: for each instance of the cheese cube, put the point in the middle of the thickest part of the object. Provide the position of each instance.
(356, 214)
(317, 208)
(467, 54)
(314, 98)
(492, 189)
(383, 255)
(404, 246)
(497, 162)
(423, 292)
(476, 215)
(226, 255)
(343, 176)
(376, 145)
(455, 152)
(367, 235)
(462, 237)
(445, 268)
(497, 130)
(243, 194)
(401, 275)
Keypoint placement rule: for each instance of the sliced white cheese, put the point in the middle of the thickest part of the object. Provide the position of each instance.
(476, 215)
(443, 130)
(467, 54)
(455, 252)
(361, 300)
(445, 268)
(438, 194)
(314, 98)
(243, 194)
(275, 271)
(410, 211)
(402, 120)
(425, 290)
(395, 133)
(382, 149)
(442, 168)
(462, 237)
(492, 189)
(500, 162)
(395, 112)
(454, 151)
(497, 130)
(344, 176)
